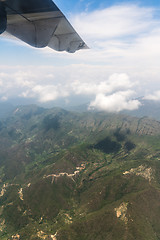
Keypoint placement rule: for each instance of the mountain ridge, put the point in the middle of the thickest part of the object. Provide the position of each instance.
(67, 175)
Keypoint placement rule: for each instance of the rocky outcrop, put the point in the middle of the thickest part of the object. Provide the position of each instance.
(121, 212)
(141, 171)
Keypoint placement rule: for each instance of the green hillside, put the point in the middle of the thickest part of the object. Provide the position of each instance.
(79, 176)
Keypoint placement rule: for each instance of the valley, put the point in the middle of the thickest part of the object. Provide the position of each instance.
(67, 175)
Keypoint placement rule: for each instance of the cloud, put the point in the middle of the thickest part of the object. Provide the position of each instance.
(122, 64)
(49, 92)
(45, 84)
(115, 21)
(115, 102)
(123, 39)
(115, 82)
(155, 96)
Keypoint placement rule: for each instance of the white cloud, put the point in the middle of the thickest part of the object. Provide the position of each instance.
(123, 62)
(115, 102)
(42, 85)
(3, 99)
(155, 96)
(114, 21)
(49, 92)
(122, 39)
(115, 82)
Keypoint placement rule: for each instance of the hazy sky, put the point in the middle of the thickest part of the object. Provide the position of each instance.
(123, 61)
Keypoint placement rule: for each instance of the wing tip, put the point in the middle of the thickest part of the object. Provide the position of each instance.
(83, 46)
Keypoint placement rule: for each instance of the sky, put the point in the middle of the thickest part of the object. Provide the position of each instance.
(122, 64)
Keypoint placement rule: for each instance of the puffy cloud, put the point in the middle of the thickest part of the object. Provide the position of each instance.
(42, 85)
(115, 102)
(115, 82)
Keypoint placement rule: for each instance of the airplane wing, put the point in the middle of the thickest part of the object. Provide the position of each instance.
(39, 23)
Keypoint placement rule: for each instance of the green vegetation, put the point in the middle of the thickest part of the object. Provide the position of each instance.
(66, 175)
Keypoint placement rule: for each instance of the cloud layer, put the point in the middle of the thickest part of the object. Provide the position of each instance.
(122, 64)
(111, 22)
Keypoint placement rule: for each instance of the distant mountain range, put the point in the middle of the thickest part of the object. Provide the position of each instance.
(5, 109)
(70, 175)
(147, 109)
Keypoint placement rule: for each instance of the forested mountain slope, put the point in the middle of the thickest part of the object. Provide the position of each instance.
(67, 175)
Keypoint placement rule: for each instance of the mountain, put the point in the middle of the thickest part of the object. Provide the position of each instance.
(5, 109)
(67, 175)
(148, 108)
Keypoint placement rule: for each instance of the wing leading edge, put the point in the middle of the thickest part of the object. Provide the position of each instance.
(40, 23)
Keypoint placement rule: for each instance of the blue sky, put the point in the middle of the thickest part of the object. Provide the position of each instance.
(121, 64)
(76, 6)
